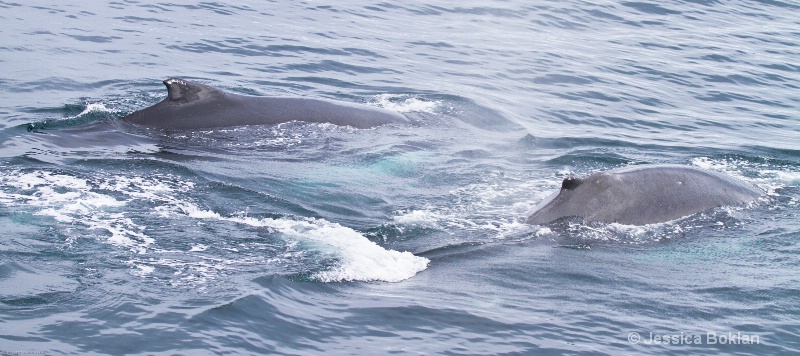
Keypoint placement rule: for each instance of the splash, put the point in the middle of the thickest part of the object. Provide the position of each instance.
(73, 200)
(106, 203)
(359, 258)
(769, 176)
(404, 103)
(495, 207)
(93, 108)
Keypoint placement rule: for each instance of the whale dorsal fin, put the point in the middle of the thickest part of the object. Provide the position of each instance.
(181, 90)
(571, 183)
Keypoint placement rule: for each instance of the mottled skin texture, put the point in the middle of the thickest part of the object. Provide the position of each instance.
(195, 106)
(642, 195)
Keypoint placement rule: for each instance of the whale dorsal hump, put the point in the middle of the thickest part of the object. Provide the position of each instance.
(571, 183)
(181, 90)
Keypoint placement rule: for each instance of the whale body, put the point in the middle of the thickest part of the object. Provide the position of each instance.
(641, 195)
(191, 105)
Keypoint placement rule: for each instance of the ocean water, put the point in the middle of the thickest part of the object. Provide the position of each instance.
(403, 239)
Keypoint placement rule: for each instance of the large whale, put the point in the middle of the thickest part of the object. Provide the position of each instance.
(191, 105)
(640, 195)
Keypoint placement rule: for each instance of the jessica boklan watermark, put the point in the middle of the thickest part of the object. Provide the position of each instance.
(682, 338)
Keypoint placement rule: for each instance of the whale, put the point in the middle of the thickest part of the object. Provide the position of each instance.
(192, 106)
(642, 194)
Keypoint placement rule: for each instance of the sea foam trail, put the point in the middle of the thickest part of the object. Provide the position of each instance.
(360, 259)
(74, 200)
(77, 201)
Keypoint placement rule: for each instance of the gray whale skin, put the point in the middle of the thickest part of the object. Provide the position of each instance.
(641, 195)
(191, 105)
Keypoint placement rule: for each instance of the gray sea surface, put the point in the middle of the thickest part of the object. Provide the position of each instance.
(303, 238)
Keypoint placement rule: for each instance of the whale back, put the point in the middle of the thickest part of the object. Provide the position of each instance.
(180, 91)
(187, 105)
(642, 195)
(190, 105)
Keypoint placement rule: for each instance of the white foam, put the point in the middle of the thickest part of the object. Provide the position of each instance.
(360, 259)
(83, 202)
(194, 273)
(790, 178)
(93, 107)
(143, 270)
(771, 178)
(198, 248)
(418, 217)
(404, 103)
(708, 163)
(97, 207)
(495, 207)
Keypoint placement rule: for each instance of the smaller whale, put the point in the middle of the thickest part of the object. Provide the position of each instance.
(641, 195)
(191, 105)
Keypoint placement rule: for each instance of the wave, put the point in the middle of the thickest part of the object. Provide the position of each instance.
(108, 204)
